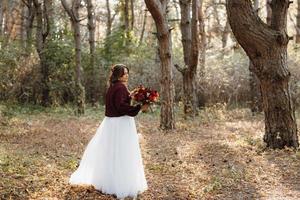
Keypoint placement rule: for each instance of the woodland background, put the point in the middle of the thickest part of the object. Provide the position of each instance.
(55, 59)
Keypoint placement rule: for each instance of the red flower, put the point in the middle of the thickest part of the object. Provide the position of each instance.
(144, 95)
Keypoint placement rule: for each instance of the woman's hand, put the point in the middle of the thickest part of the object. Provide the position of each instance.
(144, 107)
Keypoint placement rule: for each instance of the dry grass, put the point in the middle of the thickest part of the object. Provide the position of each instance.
(219, 155)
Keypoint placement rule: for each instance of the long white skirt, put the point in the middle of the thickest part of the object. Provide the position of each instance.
(112, 160)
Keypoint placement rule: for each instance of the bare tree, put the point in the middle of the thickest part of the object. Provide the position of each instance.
(143, 27)
(157, 9)
(73, 12)
(29, 18)
(91, 28)
(132, 14)
(266, 47)
(202, 52)
(109, 20)
(42, 32)
(190, 40)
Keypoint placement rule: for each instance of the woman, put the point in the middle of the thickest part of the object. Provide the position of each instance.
(112, 160)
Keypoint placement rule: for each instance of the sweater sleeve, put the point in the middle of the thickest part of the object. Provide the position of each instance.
(122, 105)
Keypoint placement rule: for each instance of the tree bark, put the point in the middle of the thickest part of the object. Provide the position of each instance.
(255, 91)
(109, 21)
(266, 47)
(189, 34)
(29, 18)
(42, 31)
(1, 17)
(158, 11)
(91, 27)
(74, 17)
(202, 52)
(126, 22)
(143, 28)
(132, 14)
(298, 23)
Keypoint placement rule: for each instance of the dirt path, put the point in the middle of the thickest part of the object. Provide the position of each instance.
(214, 157)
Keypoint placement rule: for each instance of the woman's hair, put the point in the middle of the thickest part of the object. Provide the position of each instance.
(117, 71)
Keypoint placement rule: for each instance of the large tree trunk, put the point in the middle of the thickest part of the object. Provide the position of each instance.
(298, 23)
(158, 11)
(91, 27)
(74, 16)
(41, 45)
(189, 33)
(266, 47)
(255, 91)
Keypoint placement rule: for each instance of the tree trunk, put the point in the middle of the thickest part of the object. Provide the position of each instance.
(126, 21)
(91, 27)
(267, 49)
(74, 16)
(29, 18)
(158, 11)
(189, 34)
(143, 28)
(132, 14)
(255, 91)
(298, 23)
(202, 51)
(41, 43)
(1, 17)
(109, 21)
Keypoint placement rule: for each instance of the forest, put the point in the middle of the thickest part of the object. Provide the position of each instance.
(225, 125)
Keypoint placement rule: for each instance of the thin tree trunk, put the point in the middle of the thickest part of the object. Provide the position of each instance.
(143, 28)
(30, 15)
(41, 45)
(189, 34)
(267, 49)
(74, 16)
(126, 21)
(91, 27)
(298, 23)
(158, 11)
(1, 17)
(109, 21)
(202, 51)
(132, 14)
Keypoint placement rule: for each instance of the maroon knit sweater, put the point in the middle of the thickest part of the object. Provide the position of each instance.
(117, 102)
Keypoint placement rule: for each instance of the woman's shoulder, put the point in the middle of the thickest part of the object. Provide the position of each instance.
(119, 86)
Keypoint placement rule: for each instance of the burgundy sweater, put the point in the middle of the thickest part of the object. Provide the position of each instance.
(117, 102)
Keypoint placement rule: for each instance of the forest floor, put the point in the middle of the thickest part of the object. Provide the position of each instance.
(219, 155)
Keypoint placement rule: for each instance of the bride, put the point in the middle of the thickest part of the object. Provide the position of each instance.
(112, 160)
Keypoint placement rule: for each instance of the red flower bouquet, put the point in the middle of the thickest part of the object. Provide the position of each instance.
(144, 95)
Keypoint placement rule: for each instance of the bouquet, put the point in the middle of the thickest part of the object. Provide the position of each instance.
(144, 95)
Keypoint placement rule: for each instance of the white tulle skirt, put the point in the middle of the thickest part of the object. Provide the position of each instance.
(112, 160)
